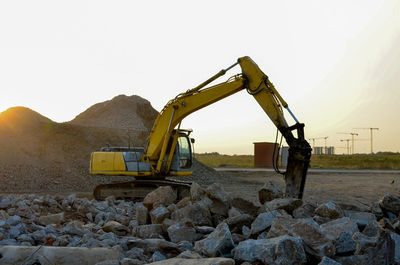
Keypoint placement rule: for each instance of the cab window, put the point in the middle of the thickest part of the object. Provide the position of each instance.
(185, 152)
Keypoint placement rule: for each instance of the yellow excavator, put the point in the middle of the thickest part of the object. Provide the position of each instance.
(169, 148)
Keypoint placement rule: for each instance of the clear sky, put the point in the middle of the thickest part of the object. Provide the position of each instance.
(335, 62)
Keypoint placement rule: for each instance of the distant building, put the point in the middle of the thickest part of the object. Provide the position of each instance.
(330, 150)
(318, 150)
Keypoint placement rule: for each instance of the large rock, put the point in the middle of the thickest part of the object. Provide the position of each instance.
(304, 211)
(329, 210)
(352, 260)
(188, 254)
(116, 228)
(345, 244)
(264, 221)
(195, 213)
(361, 218)
(148, 231)
(217, 192)
(390, 202)
(158, 214)
(383, 252)
(271, 190)
(208, 261)
(196, 192)
(364, 242)
(163, 195)
(57, 218)
(396, 241)
(333, 228)
(316, 243)
(328, 261)
(182, 231)
(11, 255)
(236, 223)
(141, 214)
(151, 245)
(217, 243)
(279, 250)
(372, 229)
(245, 206)
(287, 204)
(74, 228)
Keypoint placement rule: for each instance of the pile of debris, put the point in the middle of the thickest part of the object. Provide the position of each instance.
(208, 227)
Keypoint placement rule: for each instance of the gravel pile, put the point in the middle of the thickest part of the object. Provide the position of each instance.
(207, 224)
(122, 112)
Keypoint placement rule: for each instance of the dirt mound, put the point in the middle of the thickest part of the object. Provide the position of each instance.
(41, 155)
(122, 112)
(19, 118)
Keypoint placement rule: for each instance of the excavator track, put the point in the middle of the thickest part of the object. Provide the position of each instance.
(139, 188)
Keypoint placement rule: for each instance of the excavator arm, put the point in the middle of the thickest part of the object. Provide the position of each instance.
(258, 85)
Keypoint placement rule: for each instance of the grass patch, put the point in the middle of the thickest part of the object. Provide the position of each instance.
(360, 161)
(218, 160)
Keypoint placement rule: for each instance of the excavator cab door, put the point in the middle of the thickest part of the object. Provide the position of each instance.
(182, 159)
(184, 152)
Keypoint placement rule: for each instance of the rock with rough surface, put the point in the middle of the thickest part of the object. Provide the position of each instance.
(57, 218)
(237, 222)
(372, 229)
(279, 250)
(182, 231)
(141, 214)
(151, 245)
(361, 218)
(116, 228)
(196, 192)
(207, 261)
(304, 211)
(245, 206)
(195, 213)
(217, 243)
(391, 203)
(217, 192)
(396, 240)
(328, 261)
(148, 231)
(316, 243)
(345, 244)
(158, 214)
(264, 221)
(163, 195)
(271, 190)
(287, 204)
(329, 210)
(333, 228)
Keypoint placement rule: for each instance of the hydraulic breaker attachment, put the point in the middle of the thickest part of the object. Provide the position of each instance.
(298, 162)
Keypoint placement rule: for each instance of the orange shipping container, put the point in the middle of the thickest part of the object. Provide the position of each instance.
(263, 152)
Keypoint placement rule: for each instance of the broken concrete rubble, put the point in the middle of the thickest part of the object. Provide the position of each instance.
(189, 229)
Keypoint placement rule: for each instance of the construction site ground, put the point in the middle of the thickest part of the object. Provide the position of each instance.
(362, 186)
